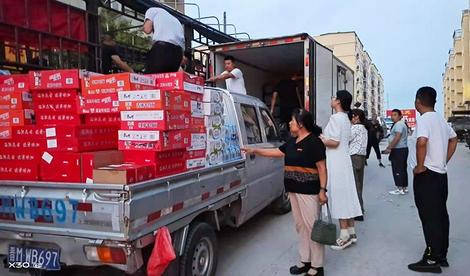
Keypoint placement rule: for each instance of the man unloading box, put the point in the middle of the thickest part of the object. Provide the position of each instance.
(168, 41)
(233, 77)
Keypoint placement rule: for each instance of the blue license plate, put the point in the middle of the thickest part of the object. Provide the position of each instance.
(34, 257)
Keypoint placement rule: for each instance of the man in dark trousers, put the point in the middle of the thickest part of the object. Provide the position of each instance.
(375, 131)
(168, 41)
(288, 95)
(435, 145)
(110, 56)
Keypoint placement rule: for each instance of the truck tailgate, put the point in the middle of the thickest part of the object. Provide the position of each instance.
(79, 210)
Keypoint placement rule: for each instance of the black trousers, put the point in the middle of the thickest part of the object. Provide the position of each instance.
(430, 191)
(399, 159)
(373, 144)
(163, 58)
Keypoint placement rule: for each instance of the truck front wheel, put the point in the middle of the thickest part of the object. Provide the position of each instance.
(200, 252)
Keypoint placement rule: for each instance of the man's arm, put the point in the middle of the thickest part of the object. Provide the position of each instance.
(148, 26)
(421, 146)
(273, 101)
(121, 64)
(451, 147)
(394, 142)
(222, 77)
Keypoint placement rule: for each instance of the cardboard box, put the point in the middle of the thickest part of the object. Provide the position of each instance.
(5, 133)
(153, 140)
(14, 83)
(109, 84)
(121, 174)
(26, 171)
(212, 96)
(54, 79)
(154, 120)
(215, 158)
(143, 157)
(198, 97)
(16, 100)
(20, 156)
(194, 154)
(154, 100)
(179, 81)
(197, 123)
(16, 118)
(56, 96)
(22, 145)
(192, 164)
(216, 133)
(94, 160)
(81, 145)
(70, 106)
(170, 168)
(211, 109)
(198, 141)
(197, 109)
(60, 167)
(107, 103)
(58, 118)
(28, 133)
(81, 132)
(102, 119)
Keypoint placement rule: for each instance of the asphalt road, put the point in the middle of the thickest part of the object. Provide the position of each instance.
(389, 239)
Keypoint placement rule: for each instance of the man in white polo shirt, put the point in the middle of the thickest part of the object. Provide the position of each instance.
(168, 41)
(233, 77)
(435, 145)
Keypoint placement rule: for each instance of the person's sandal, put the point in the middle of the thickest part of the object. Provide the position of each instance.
(315, 271)
(296, 270)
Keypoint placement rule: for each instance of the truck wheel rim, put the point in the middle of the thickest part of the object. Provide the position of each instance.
(203, 257)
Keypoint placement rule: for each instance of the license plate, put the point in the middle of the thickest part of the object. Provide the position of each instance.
(34, 257)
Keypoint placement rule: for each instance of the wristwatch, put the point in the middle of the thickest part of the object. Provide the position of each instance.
(324, 189)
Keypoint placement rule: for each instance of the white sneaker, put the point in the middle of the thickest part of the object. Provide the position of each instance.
(396, 192)
(405, 190)
(342, 244)
(353, 238)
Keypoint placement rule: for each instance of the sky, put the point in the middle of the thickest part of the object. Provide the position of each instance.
(408, 40)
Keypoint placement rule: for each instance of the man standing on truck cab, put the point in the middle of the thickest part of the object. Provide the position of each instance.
(233, 77)
(168, 41)
(288, 93)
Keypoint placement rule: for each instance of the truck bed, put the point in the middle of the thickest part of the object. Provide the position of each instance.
(113, 212)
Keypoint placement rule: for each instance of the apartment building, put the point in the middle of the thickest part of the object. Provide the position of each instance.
(456, 77)
(368, 83)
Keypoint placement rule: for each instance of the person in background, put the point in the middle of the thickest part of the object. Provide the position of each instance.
(435, 146)
(110, 56)
(168, 41)
(305, 179)
(232, 75)
(398, 150)
(344, 202)
(358, 150)
(287, 93)
(375, 132)
(186, 62)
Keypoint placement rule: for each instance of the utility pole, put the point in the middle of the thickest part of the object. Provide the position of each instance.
(225, 22)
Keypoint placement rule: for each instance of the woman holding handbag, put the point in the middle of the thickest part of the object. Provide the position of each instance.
(305, 179)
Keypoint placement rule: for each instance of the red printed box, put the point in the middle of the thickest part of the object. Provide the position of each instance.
(14, 83)
(102, 119)
(196, 163)
(81, 145)
(5, 133)
(26, 171)
(60, 96)
(109, 84)
(97, 104)
(193, 154)
(82, 131)
(54, 79)
(16, 118)
(16, 100)
(142, 157)
(58, 118)
(121, 174)
(19, 156)
(94, 160)
(170, 168)
(154, 99)
(179, 81)
(153, 140)
(30, 133)
(72, 106)
(22, 145)
(197, 123)
(60, 167)
(154, 120)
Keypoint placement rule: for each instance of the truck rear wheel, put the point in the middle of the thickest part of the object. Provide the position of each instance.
(281, 205)
(200, 252)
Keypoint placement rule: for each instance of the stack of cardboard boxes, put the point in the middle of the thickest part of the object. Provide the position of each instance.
(214, 121)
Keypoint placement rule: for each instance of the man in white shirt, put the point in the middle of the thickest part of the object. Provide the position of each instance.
(168, 41)
(435, 145)
(233, 77)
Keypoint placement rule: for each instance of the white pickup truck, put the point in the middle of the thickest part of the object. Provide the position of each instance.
(56, 225)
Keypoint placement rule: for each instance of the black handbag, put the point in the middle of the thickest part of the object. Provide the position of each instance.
(324, 232)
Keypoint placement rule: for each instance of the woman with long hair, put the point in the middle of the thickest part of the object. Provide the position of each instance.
(344, 202)
(305, 179)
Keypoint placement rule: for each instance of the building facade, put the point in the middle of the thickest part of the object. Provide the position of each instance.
(368, 83)
(456, 76)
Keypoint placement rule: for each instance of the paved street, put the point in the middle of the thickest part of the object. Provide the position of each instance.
(389, 238)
